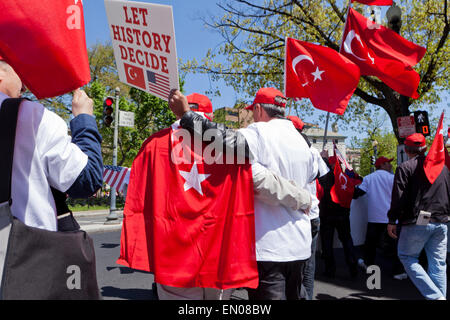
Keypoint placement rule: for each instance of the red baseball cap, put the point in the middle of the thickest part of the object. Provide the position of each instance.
(199, 102)
(415, 140)
(382, 160)
(269, 96)
(298, 123)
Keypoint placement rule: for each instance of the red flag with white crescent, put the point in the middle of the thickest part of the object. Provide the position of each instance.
(375, 2)
(319, 73)
(379, 51)
(344, 186)
(435, 159)
(189, 222)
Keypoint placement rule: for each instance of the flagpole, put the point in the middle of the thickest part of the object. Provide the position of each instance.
(326, 130)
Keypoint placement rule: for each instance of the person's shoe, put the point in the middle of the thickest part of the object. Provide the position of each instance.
(401, 276)
(361, 264)
(353, 271)
(442, 298)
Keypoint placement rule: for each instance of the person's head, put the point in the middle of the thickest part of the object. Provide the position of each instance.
(415, 145)
(10, 83)
(269, 104)
(297, 122)
(201, 104)
(384, 163)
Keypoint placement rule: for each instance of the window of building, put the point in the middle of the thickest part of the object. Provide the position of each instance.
(314, 140)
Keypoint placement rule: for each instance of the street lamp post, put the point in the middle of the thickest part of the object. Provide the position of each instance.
(375, 153)
(112, 217)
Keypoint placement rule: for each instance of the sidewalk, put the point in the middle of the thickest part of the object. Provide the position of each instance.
(94, 221)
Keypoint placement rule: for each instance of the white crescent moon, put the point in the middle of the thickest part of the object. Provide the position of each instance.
(129, 74)
(298, 59)
(345, 178)
(348, 43)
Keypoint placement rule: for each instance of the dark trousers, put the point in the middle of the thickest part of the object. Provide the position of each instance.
(377, 236)
(310, 266)
(340, 223)
(278, 280)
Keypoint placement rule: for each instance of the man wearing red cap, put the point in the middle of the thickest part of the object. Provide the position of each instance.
(283, 234)
(422, 210)
(269, 188)
(46, 157)
(378, 187)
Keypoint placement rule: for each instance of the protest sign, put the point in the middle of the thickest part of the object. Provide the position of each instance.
(143, 38)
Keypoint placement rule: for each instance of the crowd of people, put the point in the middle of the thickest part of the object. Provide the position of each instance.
(291, 181)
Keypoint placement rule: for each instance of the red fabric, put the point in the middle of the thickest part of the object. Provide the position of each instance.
(343, 188)
(375, 2)
(321, 74)
(187, 239)
(381, 52)
(36, 41)
(435, 159)
(319, 190)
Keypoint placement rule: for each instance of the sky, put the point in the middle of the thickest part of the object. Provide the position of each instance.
(193, 39)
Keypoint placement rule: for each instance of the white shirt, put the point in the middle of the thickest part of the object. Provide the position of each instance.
(321, 167)
(378, 187)
(44, 156)
(281, 233)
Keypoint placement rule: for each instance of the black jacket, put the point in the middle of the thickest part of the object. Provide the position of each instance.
(413, 192)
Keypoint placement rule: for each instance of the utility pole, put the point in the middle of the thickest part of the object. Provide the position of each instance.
(112, 217)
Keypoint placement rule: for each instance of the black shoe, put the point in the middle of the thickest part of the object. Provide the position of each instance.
(354, 271)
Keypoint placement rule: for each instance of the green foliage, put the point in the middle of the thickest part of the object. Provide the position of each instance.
(252, 53)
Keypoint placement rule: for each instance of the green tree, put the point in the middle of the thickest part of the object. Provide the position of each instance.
(253, 50)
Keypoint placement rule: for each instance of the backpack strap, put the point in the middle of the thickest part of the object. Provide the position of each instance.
(8, 123)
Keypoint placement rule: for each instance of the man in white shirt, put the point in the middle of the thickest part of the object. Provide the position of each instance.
(283, 235)
(378, 188)
(46, 157)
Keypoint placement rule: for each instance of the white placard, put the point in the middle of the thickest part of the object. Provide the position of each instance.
(126, 119)
(406, 126)
(143, 38)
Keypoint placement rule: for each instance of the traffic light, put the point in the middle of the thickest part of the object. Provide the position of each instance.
(372, 160)
(108, 110)
(422, 123)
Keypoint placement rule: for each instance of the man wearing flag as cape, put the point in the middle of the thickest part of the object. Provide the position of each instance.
(190, 220)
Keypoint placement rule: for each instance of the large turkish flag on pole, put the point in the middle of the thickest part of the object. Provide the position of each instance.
(435, 159)
(375, 2)
(191, 224)
(380, 52)
(44, 41)
(319, 73)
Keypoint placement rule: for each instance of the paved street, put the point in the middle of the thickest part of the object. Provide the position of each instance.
(118, 282)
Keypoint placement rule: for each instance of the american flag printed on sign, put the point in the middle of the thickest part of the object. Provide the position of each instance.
(116, 177)
(341, 157)
(158, 84)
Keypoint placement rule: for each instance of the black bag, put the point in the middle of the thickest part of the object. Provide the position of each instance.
(37, 264)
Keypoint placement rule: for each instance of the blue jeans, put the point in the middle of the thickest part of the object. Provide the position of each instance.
(433, 238)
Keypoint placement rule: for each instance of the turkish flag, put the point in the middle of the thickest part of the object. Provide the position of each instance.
(344, 186)
(135, 76)
(44, 41)
(319, 73)
(435, 159)
(375, 2)
(189, 222)
(447, 156)
(380, 52)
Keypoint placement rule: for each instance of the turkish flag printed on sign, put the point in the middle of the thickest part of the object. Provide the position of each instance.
(44, 41)
(135, 75)
(191, 224)
(435, 159)
(344, 186)
(319, 73)
(375, 2)
(380, 52)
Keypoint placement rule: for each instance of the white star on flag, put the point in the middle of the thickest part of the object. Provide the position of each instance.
(76, 1)
(193, 179)
(317, 74)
